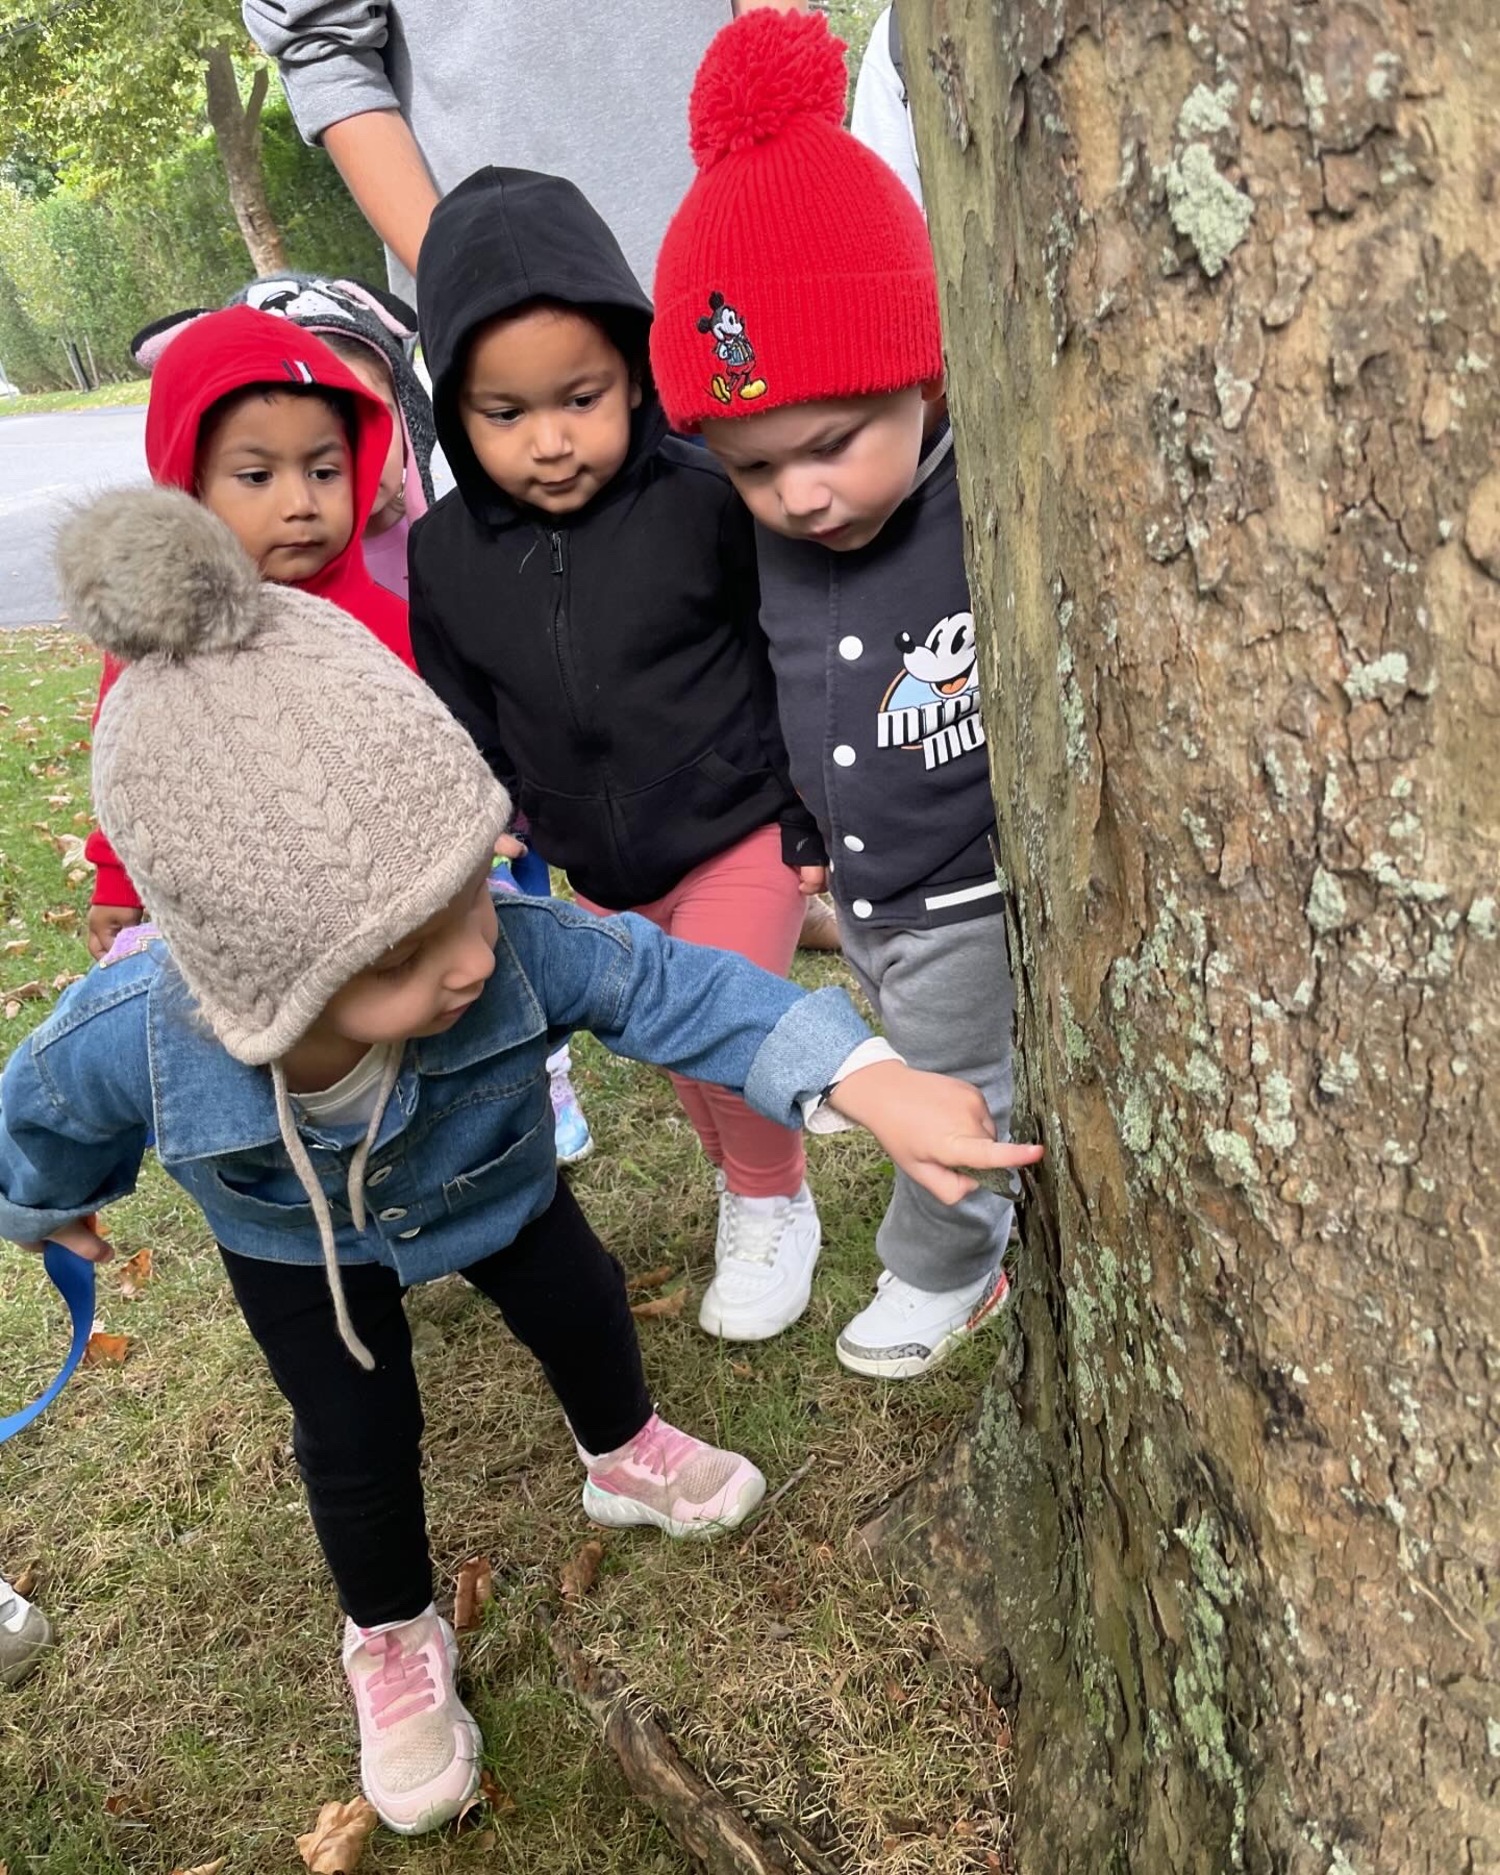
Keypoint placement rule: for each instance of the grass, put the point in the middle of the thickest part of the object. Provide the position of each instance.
(194, 1706)
(104, 397)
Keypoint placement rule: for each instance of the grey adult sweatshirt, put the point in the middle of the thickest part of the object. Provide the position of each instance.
(595, 93)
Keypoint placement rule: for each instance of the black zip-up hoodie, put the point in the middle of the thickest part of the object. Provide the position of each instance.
(609, 663)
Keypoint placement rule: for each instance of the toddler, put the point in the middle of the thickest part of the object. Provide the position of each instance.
(342, 1060)
(585, 602)
(797, 330)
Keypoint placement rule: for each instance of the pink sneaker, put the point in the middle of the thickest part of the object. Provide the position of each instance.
(672, 1480)
(418, 1746)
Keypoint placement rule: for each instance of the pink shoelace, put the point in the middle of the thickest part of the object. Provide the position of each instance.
(398, 1678)
(658, 1447)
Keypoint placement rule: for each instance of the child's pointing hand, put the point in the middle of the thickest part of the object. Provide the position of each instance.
(929, 1124)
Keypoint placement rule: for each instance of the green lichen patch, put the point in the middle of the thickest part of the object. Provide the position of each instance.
(1206, 208)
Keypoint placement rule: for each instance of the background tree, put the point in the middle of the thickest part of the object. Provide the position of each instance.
(104, 85)
(1221, 297)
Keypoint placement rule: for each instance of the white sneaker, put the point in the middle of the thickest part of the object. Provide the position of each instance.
(23, 1634)
(765, 1251)
(904, 1331)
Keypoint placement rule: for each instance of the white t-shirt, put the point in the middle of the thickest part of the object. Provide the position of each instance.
(881, 117)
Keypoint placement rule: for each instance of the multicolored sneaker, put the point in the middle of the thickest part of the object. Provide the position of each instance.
(574, 1140)
(905, 1331)
(418, 1746)
(670, 1479)
(764, 1255)
(24, 1632)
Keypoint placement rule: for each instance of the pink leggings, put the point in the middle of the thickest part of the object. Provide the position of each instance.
(744, 900)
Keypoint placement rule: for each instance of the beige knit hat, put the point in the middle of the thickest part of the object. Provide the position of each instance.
(289, 799)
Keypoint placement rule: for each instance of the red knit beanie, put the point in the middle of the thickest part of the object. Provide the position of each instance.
(797, 267)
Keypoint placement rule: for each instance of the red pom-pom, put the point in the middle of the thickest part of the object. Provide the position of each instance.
(761, 72)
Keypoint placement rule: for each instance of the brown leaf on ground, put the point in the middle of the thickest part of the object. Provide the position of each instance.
(742, 1368)
(70, 849)
(472, 1593)
(27, 992)
(65, 917)
(500, 1801)
(15, 947)
(660, 1306)
(106, 1348)
(337, 1840)
(203, 1868)
(65, 977)
(649, 1279)
(25, 1582)
(580, 1574)
(136, 1273)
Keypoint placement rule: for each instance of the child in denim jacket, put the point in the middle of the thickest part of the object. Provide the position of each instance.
(344, 1065)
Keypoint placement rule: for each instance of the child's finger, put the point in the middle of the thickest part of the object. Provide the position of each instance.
(945, 1185)
(987, 1154)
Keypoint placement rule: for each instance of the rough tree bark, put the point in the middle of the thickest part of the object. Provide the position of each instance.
(236, 126)
(1222, 288)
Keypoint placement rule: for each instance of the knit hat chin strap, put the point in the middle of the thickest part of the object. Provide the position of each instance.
(302, 1165)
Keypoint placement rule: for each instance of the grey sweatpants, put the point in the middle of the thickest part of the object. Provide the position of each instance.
(945, 1001)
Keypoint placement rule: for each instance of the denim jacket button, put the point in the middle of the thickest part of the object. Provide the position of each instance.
(389, 1215)
(404, 1234)
(379, 1175)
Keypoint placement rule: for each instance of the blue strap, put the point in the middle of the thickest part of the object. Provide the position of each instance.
(73, 1278)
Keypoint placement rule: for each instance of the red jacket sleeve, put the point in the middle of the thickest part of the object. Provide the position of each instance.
(111, 881)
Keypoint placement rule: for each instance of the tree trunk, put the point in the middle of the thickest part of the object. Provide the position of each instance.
(236, 128)
(1222, 291)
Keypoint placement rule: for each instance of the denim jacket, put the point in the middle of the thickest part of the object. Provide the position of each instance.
(464, 1155)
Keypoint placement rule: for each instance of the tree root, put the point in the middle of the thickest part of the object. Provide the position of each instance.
(701, 1821)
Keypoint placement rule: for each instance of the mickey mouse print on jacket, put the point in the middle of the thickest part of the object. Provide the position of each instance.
(878, 688)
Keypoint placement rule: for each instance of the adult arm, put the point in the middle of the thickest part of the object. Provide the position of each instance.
(331, 55)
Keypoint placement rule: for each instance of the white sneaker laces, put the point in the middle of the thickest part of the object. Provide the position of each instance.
(754, 1236)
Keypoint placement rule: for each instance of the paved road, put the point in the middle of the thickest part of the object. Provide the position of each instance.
(46, 462)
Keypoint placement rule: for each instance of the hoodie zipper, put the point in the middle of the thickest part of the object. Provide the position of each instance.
(560, 630)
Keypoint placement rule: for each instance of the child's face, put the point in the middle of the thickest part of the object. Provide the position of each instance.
(276, 471)
(546, 407)
(422, 985)
(833, 472)
(374, 374)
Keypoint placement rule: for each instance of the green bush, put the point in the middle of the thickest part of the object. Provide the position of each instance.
(93, 269)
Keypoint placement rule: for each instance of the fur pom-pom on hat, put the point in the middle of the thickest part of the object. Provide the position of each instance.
(759, 77)
(149, 570)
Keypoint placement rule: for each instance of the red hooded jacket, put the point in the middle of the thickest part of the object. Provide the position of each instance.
(224, 352)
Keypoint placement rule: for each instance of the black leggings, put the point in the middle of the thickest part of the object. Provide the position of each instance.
(358, 1436)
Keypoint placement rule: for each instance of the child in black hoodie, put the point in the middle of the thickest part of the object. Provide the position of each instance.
(585, 601)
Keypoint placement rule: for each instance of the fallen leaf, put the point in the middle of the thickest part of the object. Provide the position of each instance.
(472, 1593)
(70, 846)
(12, 1010)
(203, 1868)
(136, 1273)
(27, 992)
(64, 917)
(660, 1306)
(25, 1582)
(337, 1840)
(66, 977)
(579, 1575)
(649, 1279)
(742, 1368)
(106, 1348)
(15, 947)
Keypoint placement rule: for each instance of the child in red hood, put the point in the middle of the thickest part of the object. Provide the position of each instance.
(270, 430)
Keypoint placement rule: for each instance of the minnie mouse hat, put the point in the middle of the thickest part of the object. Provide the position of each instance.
(798, 267)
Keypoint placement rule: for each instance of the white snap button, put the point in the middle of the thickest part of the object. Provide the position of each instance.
(854, 843)
(404, 1234)
(851, 647)
(861, 908)
(379, 1175)
(844, 755)
(394, 1211)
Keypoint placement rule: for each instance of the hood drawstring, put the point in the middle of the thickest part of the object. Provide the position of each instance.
(302, 1165)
